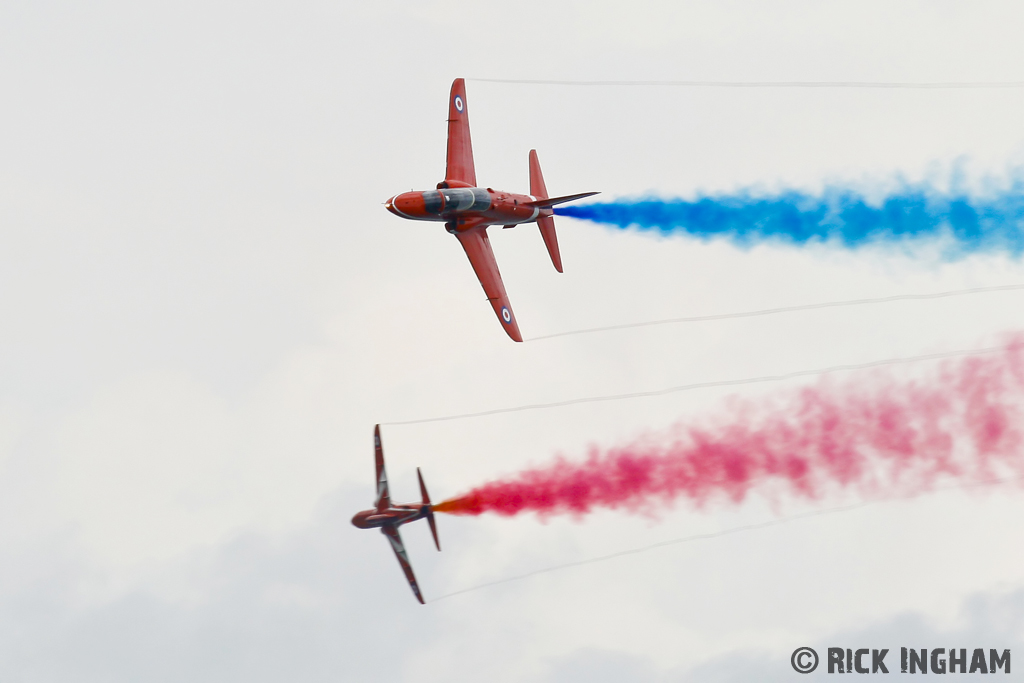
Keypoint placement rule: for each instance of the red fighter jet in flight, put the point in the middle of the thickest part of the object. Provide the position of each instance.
(388, 516)
(468, 210)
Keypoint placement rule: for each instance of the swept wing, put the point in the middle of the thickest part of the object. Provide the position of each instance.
(403, 558)
(383, 501)
(460, 147)
(478, 249)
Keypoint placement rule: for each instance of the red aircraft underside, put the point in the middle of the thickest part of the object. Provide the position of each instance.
(467, 210)
(388, 516)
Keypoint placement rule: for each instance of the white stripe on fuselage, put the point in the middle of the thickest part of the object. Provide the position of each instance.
(516, 204)
(394, 205)
(535, 210)
(532, 217)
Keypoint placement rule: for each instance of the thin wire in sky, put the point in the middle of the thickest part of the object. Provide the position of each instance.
(705, 385)
(785, 309)
(876, 85)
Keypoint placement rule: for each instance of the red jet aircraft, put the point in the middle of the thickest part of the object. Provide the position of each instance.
(388, 516)
(468, 210)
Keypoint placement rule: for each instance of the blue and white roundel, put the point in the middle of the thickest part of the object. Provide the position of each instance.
(505, 315)
(458, 103)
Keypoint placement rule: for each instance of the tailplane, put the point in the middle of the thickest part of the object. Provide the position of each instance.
(544, 221)
(430, 509)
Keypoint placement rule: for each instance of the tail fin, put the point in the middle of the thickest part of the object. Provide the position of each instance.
(544, 221)
(430, 510)
(554, 201)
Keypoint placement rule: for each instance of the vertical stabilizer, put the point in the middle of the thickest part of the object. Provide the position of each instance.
(545, 221)
(460, 147)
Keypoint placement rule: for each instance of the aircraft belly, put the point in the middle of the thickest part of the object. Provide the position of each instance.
(429, 219)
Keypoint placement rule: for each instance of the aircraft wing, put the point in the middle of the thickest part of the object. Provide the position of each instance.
(383, 501)
(403, 559)
(460, 147)
(478, 249)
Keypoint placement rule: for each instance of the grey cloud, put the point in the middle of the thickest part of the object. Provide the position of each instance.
(322, 603)
(988, 620)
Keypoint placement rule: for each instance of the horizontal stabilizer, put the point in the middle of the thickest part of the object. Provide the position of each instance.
(547, 232)
(430, 510)
(548, 203)
(545, 222)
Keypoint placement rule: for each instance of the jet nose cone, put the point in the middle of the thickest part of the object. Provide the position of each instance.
(359, 520)
(407, 205)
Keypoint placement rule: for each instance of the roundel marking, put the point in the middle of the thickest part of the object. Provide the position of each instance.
(458, 103)
(505, 315)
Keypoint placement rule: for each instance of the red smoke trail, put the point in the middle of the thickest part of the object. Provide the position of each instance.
(874, 434)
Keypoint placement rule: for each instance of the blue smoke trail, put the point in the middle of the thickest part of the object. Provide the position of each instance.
(838, 216)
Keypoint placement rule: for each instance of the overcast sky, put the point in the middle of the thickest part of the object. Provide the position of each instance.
(205, 309)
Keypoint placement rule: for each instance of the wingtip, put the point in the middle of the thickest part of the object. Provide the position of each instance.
(511, 328)
(552, 245)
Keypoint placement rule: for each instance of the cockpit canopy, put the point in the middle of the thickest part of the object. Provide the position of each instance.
(456, 200)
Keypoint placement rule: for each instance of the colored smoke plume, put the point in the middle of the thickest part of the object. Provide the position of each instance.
(873, 435)
(838, 216)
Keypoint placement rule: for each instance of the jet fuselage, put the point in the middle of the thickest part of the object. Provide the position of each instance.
(466, 207)
(395, 515)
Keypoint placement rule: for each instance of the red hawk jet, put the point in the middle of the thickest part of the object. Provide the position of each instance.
(468, 210)
(388, 516)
